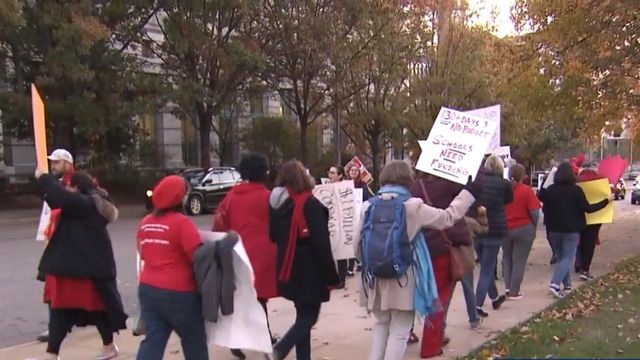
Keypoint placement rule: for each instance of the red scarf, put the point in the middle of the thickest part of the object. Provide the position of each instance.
(54, 216)
(298, 230)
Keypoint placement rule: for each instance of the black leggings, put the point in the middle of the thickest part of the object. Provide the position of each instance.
(299, 335)
(61, 321)
(587, 247)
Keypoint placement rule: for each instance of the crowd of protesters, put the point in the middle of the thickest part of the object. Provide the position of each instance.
(447, 227)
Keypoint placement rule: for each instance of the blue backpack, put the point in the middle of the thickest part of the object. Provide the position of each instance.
(386, 249)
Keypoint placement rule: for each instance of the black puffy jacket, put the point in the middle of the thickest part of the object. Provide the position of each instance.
(496, 194)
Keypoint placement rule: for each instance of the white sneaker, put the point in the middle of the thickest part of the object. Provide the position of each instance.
(107, 355)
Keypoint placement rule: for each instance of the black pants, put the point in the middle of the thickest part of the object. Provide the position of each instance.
(62, 320)
(345, 266)
(587, 247)
(299, 335)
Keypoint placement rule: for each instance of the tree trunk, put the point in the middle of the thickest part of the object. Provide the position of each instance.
(205, 141)
(304, 149)
(375, 172)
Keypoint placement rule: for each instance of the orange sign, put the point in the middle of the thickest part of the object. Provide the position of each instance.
(39, 129)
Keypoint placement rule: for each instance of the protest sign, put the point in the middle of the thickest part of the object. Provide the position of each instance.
(247, 327)
(45, 215)
(365, 175)
(39, 129)
(505, 153)
(340, 199)
(40, 140)
(455, 146)
(596, 191)
(357, 202)
(491, 113)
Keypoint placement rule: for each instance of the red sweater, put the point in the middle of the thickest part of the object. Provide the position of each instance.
(519, 210)
(166, 244)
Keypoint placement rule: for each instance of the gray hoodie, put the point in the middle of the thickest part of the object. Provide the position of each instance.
(279, 196)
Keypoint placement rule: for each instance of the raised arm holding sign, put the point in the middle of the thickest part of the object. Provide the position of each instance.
(456, 145)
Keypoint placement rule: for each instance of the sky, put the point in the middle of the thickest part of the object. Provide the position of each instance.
(502, 9)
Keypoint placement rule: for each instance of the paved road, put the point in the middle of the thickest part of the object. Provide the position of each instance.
(23, 313)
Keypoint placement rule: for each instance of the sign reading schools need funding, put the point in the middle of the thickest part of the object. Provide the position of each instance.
(456, 145)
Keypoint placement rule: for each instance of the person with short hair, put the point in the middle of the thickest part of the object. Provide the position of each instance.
(523, 214)
(392, 300)
(298, 224)
(61, 167)
(245, 210)
(564, 206)
(336, 174)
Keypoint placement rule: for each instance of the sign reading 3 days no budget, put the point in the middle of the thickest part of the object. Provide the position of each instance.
(456, 145)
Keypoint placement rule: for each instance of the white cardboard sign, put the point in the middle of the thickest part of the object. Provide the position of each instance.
(455, 146)
(491, 113)
(340, 199)
(45, 217)
(504, 152)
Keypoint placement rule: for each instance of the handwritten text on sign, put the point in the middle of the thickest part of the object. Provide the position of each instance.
(455, 146)
(339, 199)
(491, 113)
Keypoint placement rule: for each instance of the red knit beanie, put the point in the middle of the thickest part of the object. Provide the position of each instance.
(169, 192)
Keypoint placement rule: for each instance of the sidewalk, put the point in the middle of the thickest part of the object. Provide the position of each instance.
(344, 329)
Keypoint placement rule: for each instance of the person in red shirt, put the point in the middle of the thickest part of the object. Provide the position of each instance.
(245, 210)
(522, 218)
(169, 299)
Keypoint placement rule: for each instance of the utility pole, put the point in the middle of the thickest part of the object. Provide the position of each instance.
(338, 136)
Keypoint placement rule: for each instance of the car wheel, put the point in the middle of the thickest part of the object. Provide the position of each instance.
(195, 205)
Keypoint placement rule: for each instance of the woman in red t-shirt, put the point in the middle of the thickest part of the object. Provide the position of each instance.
(169, 299)
(522, 218)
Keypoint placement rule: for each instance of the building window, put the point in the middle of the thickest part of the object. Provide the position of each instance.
(147, 48)
(257, 104)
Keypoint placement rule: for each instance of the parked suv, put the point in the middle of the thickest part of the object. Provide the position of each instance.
(207, 188)
(209, 192)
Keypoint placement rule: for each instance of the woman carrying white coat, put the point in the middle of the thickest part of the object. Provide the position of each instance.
(392, 299)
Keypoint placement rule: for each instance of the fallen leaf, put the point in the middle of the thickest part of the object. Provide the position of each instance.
(620, 351)
(632, 321)
(619, 326)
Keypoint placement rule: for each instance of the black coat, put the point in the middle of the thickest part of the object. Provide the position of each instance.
(564, 206)
(496, 194)
(314, 269)
(80, 246)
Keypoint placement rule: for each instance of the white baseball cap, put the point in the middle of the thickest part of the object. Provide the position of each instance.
(61, 155)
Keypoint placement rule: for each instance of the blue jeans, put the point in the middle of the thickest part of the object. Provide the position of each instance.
(164, 311)
(469, 297)
(552, 244)
(567, 243)
(488, 247)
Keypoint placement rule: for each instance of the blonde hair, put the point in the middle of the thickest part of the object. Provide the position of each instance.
(494, 165)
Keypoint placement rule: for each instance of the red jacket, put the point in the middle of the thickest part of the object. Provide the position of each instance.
(247, 213)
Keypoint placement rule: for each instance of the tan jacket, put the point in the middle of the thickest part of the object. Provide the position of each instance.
(391, 294)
